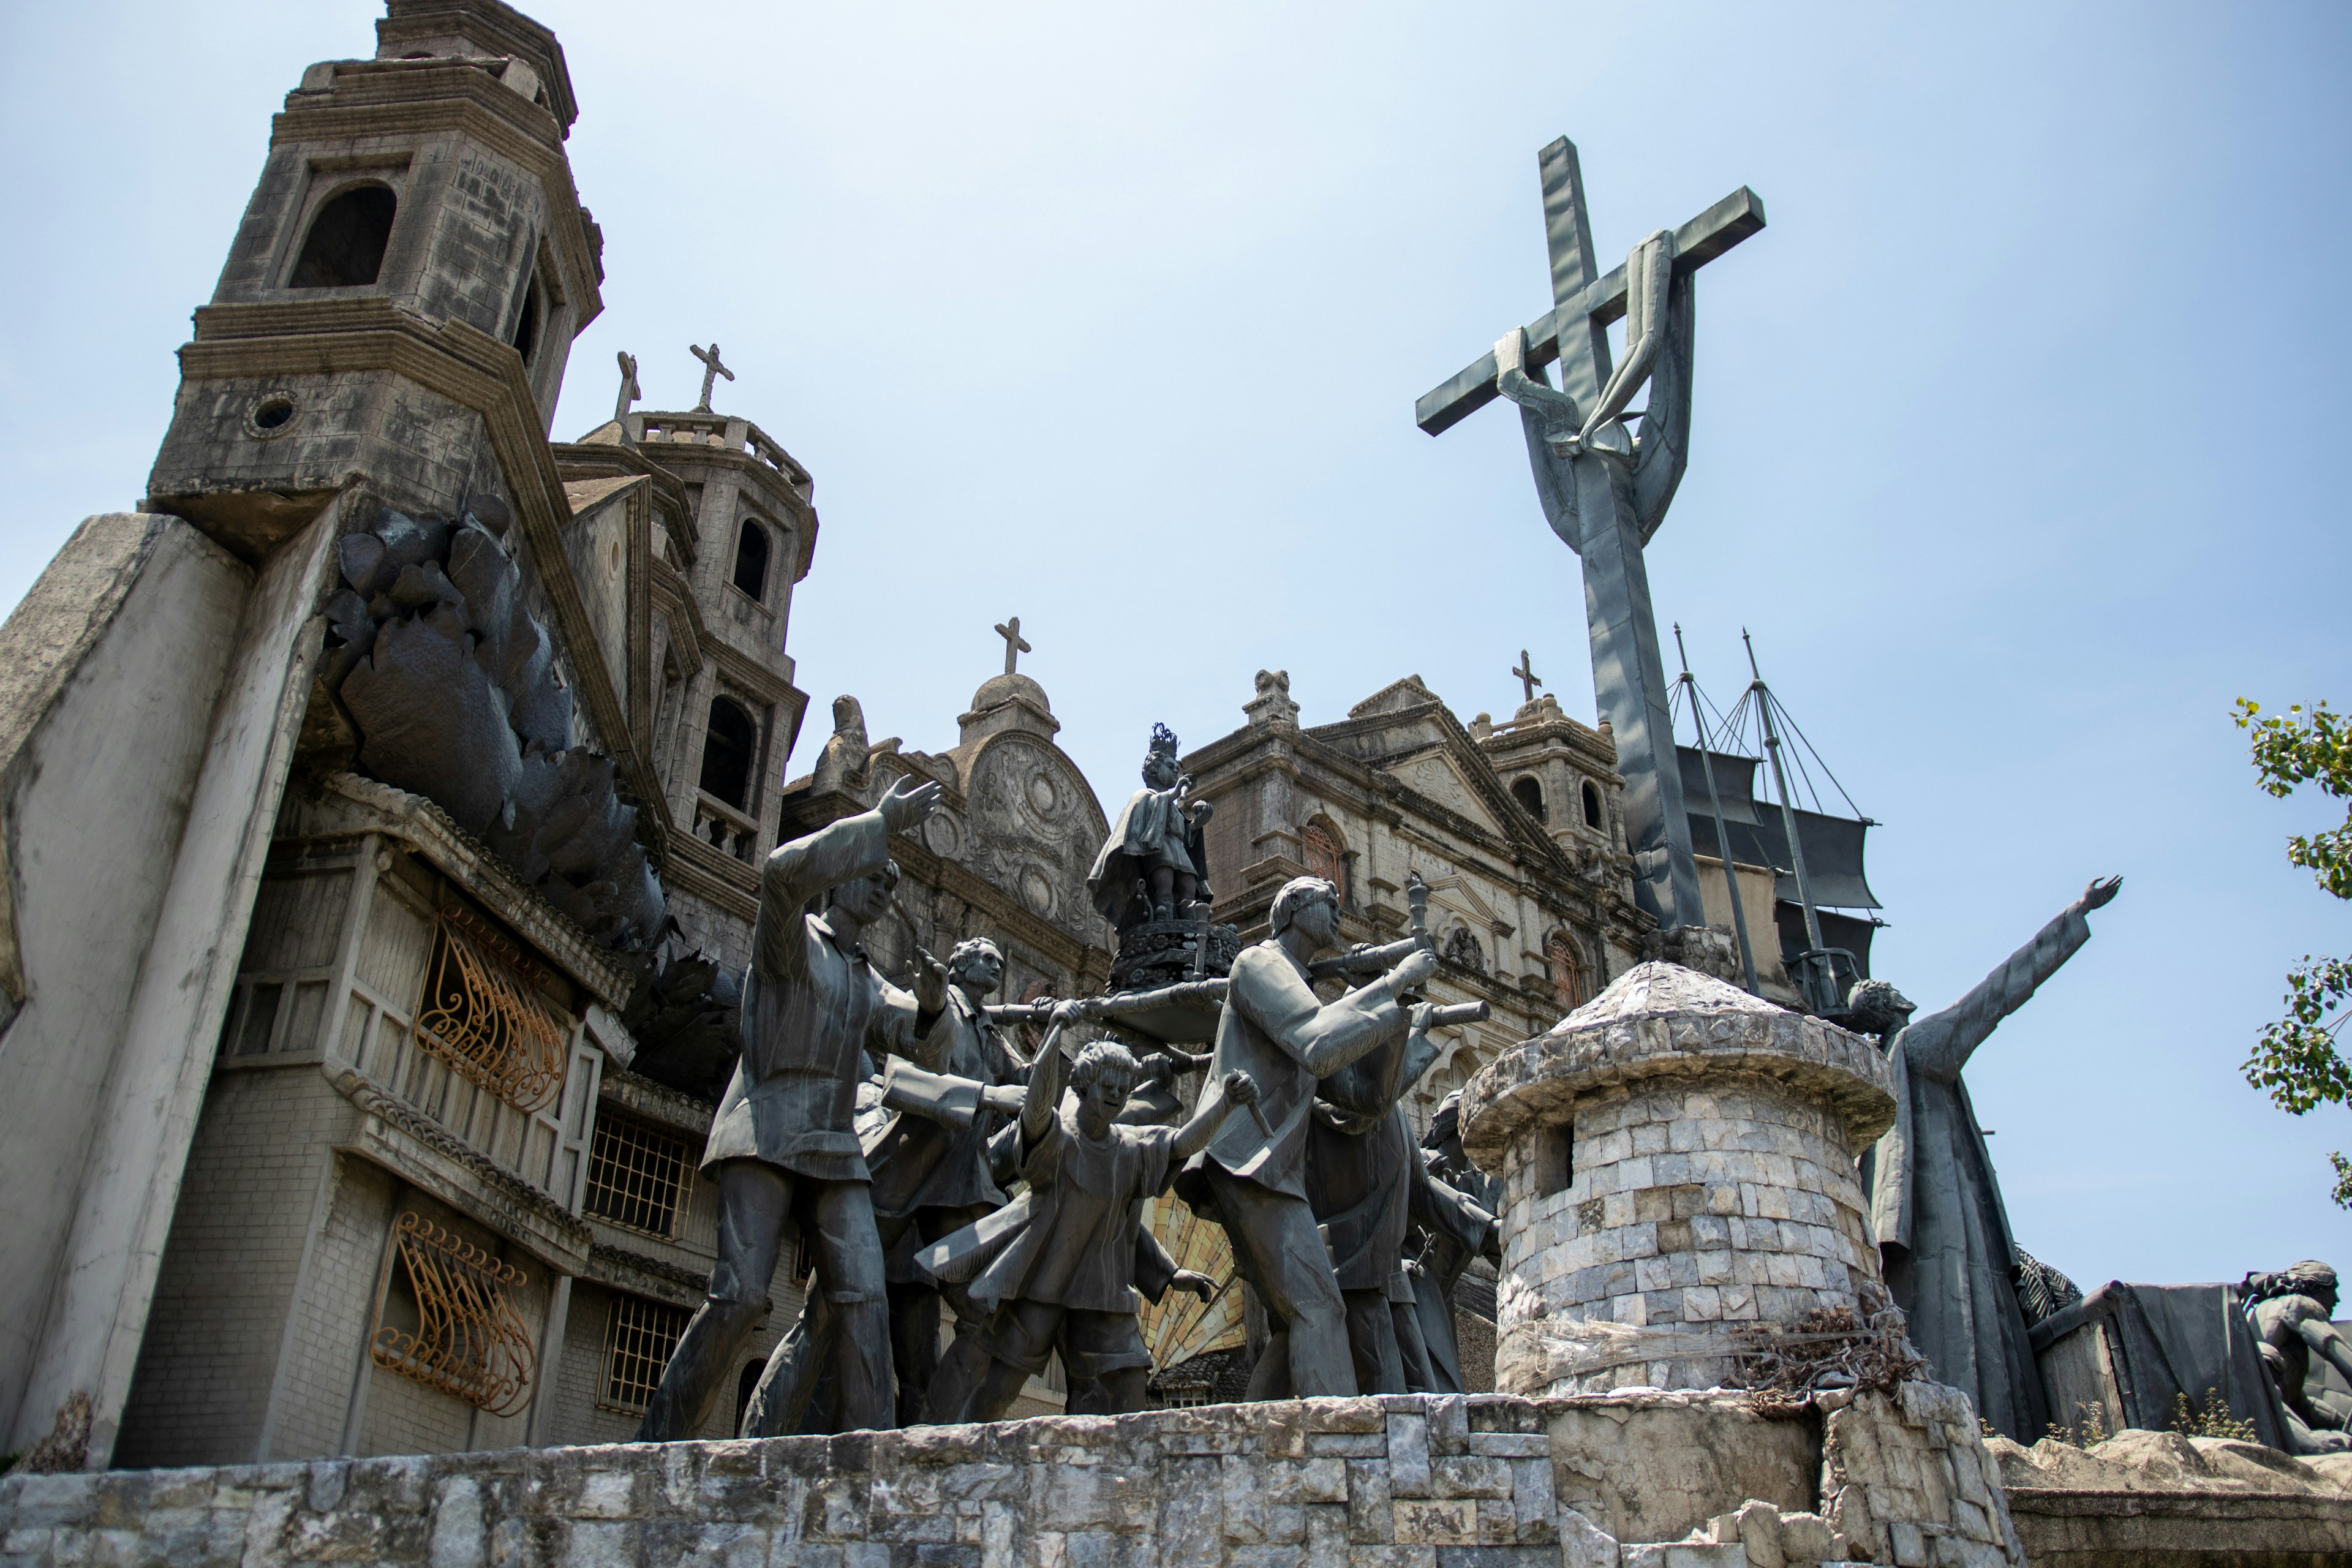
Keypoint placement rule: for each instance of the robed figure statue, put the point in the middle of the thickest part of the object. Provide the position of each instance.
(1934, 1204)
(1154, 866)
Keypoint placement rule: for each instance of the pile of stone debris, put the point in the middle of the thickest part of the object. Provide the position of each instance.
(2143, 1496)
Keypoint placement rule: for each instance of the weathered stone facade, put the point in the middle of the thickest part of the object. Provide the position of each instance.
(1655, 1481)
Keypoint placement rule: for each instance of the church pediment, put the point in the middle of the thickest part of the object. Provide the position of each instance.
(1438, 776)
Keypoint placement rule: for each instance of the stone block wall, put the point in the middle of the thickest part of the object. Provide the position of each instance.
(1670, 1480)
(1692, 1203)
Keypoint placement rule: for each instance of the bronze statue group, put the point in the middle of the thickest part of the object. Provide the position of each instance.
(924, 1159)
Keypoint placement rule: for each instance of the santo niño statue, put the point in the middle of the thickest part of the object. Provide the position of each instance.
(1153, 865)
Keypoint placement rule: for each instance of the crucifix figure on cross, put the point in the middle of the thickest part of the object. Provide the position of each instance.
(711, 371)
(1016, 645)
(1603, 491)
(1528, 679)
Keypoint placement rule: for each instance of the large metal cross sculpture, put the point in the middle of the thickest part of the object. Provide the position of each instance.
(1603, 493)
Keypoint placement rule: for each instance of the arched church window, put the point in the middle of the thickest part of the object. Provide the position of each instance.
(344, 248)
(1530, 794)
(727, 755)
(1320, 848)
(1567, 973)
(751, 560)
(1592, 804)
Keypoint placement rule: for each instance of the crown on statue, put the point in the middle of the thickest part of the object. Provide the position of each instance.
(1163, 742)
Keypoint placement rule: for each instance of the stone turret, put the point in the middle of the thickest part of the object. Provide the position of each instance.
(1678, 1160)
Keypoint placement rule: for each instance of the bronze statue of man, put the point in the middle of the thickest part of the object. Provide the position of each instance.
(1934, 1204)
(1452, 1212)
(1252, 1178)
(932, 1177)
(782, 1146)
(1362, 1176)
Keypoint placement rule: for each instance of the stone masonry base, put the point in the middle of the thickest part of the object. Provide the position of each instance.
(1684, 1481)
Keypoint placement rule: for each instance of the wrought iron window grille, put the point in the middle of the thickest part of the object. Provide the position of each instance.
(480, 1013)
(636, 1176)
(640, 1336)
(468, 1341)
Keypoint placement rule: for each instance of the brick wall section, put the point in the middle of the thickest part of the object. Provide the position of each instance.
(228, 1279)
(1402, 1481)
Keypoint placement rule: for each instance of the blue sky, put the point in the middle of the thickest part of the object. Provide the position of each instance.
(2012, 446)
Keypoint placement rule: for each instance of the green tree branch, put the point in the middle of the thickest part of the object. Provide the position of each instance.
(2295, 1061)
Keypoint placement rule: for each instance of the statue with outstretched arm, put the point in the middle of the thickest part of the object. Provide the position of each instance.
(783, 1147)
(1252, 1178)
(1934, 1204)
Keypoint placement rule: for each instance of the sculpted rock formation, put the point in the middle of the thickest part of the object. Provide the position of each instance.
(451, 684)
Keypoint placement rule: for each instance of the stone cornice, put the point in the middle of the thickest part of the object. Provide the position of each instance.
(775, 484)
(469, 102)
(654, 1101)
(413, 1146)
(345, 806)
(324, 337)
(710, 873)
(608, 459)
(645, 1275)
(756, 679)
(675, 596)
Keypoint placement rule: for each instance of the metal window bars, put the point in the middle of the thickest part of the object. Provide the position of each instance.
(470, 1341)
(636, 1176)
(479, 1013)
(640, 1336)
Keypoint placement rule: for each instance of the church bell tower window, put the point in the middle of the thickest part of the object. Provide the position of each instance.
(1592, 804)
(1528, 794)
(727, 755)
(751, 560)
(344, 248)
(526, 329)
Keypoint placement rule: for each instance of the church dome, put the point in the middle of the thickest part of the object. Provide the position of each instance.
(998, 690)
(1008, 701)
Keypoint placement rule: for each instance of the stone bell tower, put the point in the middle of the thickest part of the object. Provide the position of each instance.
(1678, 1164)
(400, 296)
(389, 331)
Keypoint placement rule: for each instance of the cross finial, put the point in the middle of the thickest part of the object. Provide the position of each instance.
(1016, 645)
(1528, 679)
(711, 371)
(630, 390)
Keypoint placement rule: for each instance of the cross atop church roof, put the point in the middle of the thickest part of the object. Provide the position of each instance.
(1016, 645)
(711, 371)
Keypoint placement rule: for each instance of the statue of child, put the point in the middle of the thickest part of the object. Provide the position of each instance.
(1060, 1259)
